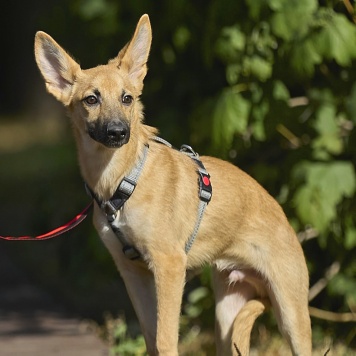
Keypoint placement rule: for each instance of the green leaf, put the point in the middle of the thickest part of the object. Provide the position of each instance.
(330, 143)
(236, 37)
(255, 7)
(102, 13)
(324, 96)
(259, 113)
(197, 294)
(343, 285)
(276, 4)
(292, 18)
(195, 308)
(233, 73)
(120, 330)
(304, 57)
(280, 91)
(92, 8)
(256, 93)
(181, 37)
(230, 117)
(325, 119)
(230, 43)
(328, 129)
(319, 153)
(337, 39)
(257, 66)
(350, 238)
(326, 184)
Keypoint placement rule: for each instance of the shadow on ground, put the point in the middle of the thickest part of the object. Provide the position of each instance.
(32, 323)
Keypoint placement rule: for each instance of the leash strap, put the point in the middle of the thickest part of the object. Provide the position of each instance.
(56, 232)
(121, 195)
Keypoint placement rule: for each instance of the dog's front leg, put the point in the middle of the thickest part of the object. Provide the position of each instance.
(169, 273)
(139, 282)
(140, 286)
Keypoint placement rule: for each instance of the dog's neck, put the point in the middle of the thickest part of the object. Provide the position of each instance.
(103, 168)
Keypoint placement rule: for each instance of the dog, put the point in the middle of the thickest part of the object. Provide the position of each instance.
(242, 232)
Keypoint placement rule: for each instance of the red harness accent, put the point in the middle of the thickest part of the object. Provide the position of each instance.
(56, 232)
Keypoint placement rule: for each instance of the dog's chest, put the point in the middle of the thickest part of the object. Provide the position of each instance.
(120, 221)
(122, 229)
(130, 227)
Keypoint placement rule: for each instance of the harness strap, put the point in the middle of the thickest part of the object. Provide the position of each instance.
(201, 209)
(127, 187)
(205, 192)
(162, 140)
(122, 194)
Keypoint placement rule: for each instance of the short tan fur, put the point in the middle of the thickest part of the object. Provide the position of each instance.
(244, 235)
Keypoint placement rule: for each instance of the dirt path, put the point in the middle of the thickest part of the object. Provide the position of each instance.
(32, 324)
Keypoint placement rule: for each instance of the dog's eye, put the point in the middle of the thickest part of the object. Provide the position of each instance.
(91, 100)
(127, 99)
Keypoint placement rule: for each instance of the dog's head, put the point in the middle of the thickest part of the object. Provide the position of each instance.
(103, 102)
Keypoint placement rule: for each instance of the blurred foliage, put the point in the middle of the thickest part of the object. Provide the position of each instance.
(267, 84)
(120, 340)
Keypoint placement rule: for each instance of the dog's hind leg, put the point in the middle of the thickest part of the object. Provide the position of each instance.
(287, 279)
(290, 304)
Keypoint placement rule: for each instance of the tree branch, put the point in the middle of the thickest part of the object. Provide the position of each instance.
(331, 316)
(322, 282)
(350, 9)
(307, 234)
(298, 101)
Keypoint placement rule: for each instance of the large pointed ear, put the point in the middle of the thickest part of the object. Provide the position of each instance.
(58, 69)
(133, 57)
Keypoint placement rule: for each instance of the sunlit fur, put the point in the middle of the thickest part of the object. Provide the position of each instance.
(255, 256)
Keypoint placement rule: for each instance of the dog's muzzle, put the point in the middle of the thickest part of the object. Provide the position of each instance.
(112, 134)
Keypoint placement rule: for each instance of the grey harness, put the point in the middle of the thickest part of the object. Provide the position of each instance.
(128, 184)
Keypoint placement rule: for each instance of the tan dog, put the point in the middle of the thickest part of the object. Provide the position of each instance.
(244, 233)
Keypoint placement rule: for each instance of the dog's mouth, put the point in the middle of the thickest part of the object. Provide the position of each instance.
(112, 134)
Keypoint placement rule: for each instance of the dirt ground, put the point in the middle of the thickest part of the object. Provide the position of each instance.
(33, 324)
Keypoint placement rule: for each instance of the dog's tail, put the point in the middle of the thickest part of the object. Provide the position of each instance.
(243, 324)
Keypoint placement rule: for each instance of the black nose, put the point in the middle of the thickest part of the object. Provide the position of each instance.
(117, 133)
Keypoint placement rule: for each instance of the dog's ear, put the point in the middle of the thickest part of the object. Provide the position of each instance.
(133, 57)
(58, 69)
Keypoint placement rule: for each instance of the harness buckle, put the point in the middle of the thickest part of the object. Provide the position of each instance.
(189, 150)
(131, 253)
(205, 188)
(89, 191)
(127, 186)
(110, 210)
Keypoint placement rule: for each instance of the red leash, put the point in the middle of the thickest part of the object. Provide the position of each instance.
(56, 232)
